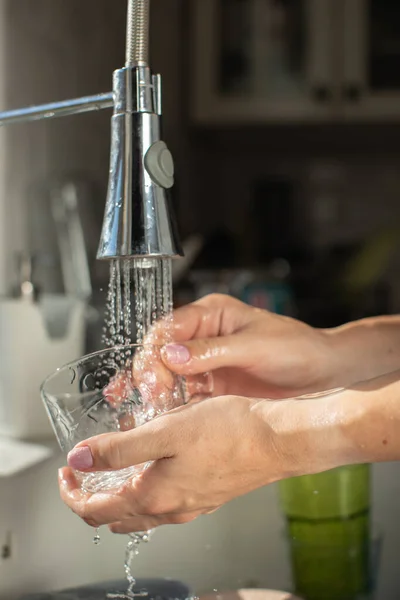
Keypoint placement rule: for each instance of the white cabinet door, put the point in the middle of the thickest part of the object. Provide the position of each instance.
(262, 61)
(371, 69)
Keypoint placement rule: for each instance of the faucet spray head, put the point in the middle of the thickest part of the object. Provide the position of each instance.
(138, 219)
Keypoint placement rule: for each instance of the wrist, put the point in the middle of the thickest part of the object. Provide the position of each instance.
(316, 433)
(363, 350)
(373, 410)
(345, 427)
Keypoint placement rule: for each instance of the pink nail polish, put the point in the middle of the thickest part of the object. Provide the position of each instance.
(176, 354)
(80, 458)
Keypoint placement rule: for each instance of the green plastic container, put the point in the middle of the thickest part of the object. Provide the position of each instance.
(328, 522)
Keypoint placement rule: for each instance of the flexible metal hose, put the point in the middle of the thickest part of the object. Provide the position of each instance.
(137, 33)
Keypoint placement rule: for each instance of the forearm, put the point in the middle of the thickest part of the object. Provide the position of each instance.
(357, 425)
(365, 349)
(373, 418)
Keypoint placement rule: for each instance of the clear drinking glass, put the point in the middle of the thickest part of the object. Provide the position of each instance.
(113, 390)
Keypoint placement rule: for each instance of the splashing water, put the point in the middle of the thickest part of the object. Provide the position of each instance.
(96, 539)
(132, 550)
(150, 280)
(117, 330)
(152, 300)
(153, 296)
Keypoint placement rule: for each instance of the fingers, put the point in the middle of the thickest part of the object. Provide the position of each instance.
(213, 315)
(200, 355)
(117, 509)
(145, 523)
(199, 387)
(154, 440)
(206, 327)
(127, 503)
(119, 389)
(157, 384)
(96, 509)
(160, 386)
(210, 316)
(139, 505)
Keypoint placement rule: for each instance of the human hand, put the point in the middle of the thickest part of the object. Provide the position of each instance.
(209, 452)
(204, 455)
(251, 352)
(160, 389)
(254, 352)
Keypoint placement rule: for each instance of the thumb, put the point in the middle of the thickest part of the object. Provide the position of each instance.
(113, 451)
(198, 356)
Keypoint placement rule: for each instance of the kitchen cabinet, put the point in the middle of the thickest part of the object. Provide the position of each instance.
(262, 60)
(371, 69)
(280, 61)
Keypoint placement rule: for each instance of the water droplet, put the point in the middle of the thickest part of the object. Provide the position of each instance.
(96, 539)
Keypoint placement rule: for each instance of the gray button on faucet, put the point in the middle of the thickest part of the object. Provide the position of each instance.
(160, 164)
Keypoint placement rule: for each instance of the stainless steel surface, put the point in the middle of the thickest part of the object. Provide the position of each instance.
(57, 109)
(157, 94)
(133, 91)
(138, 220)
(137, 43)
(137, 33)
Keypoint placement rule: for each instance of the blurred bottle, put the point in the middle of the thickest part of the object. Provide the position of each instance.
(268, 289)
(328, 522)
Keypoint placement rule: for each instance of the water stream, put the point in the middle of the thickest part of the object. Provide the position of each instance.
(139, 294)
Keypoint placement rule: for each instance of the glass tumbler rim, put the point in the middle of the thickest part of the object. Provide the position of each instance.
(94, 355)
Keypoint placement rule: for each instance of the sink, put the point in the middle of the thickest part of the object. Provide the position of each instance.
(158, 589)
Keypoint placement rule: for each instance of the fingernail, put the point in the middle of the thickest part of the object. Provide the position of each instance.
(176, 354)
(80, 458)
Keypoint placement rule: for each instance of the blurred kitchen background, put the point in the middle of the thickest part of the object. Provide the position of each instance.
(284, 120)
